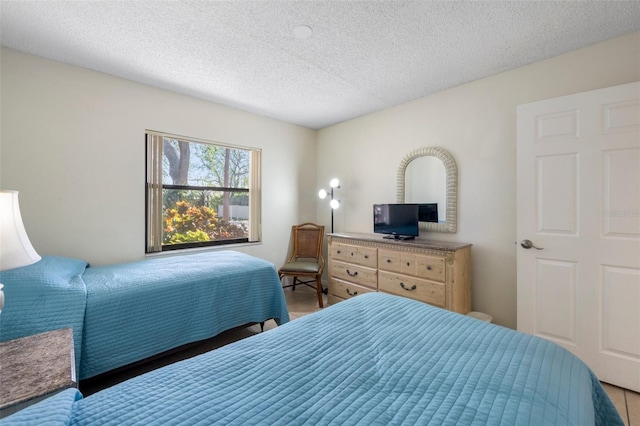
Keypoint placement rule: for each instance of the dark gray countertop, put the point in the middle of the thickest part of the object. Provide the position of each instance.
(36, 365)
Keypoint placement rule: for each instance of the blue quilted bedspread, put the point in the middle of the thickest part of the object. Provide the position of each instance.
(373, 360)
(127, 312)
(139, 309)
(45, 296)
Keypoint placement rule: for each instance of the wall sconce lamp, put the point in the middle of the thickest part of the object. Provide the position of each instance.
(334, 204)
(15, 248)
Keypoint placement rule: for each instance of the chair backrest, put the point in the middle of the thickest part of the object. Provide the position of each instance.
(307, 241)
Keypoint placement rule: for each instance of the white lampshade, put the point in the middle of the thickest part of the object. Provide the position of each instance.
(322, 194)
(334, 204)
(334, 183)
(15, 248)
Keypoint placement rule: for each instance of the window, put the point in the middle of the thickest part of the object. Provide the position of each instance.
(200, 193)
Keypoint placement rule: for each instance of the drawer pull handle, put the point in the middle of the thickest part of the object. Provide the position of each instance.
(413, 287)
(338, 251)
(428, 267)
(354, 274)
(388, 260)
(355, 293)
(366, 256)
(408, 263)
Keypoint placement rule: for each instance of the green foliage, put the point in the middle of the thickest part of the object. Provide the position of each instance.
(189, 237)
(186, 224)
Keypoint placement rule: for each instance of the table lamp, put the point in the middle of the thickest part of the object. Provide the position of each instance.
(15, 248)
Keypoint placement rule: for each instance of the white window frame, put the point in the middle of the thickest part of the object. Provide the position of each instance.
(154, 190)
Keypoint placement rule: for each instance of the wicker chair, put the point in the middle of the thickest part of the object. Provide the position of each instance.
(306, 260)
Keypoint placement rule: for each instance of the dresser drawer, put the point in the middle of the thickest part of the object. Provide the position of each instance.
(389, 260)
(346, 290)
(368, 256)
(354, 273)
(408, 264)
(405, 263)
(415, 288)
(340, 252)
(365, 256)
(430, 267)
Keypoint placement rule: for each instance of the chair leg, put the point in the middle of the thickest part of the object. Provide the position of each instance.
(319, 291)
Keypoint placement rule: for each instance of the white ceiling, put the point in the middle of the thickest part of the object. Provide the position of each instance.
(363, 56)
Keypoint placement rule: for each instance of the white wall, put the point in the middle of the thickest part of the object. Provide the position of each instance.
(476, 122)
(72, 142)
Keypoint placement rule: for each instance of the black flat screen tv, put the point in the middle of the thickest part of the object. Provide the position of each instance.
(398, 221)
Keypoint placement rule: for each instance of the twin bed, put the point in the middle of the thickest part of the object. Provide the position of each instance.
(376, 359)
(124, 313)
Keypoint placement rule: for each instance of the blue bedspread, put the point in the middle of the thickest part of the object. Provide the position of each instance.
(45, 296)
(127, 312)
(375, 359)
(139, 309)
(53, 411)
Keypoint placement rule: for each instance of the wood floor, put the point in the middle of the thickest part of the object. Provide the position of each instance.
(301, 302)
(627, 402)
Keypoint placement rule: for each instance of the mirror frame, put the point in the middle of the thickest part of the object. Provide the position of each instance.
(451, 169)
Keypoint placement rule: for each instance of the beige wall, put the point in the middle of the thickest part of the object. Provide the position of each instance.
(476, 122)
(72, 143)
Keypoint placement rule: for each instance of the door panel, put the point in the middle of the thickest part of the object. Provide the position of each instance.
(620, 295)
(579, 200)
(556, 195)
(621, 193)
(556, 300)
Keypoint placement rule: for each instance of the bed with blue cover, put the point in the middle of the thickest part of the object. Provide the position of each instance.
(376, 359)
(128, 312)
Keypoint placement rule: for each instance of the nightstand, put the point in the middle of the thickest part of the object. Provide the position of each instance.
(34, 368)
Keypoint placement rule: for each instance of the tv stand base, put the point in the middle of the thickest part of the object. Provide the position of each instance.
(399, 237)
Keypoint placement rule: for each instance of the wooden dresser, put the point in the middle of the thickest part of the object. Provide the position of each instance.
(435, 272)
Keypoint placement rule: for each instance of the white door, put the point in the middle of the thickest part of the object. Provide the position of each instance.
(579, 204)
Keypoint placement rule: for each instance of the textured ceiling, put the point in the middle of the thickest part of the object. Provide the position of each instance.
(363, 56)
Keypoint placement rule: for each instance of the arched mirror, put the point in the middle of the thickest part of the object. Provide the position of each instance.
(429, 177)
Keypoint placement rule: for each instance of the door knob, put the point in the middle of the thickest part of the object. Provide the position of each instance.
(528, 244)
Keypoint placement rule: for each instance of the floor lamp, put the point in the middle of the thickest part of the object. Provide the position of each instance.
(334, 204)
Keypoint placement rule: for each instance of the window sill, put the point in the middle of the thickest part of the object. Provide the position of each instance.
(179, 252)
